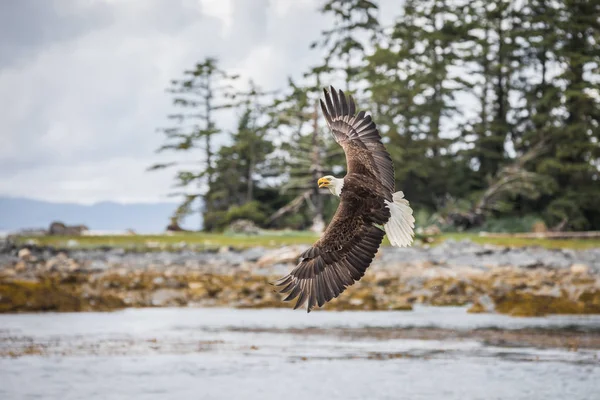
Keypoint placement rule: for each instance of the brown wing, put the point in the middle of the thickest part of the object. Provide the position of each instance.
(359, 137)
(341, 256)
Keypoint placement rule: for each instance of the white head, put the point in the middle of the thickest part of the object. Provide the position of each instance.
(334, 185)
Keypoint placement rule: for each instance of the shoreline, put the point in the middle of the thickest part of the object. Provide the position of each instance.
(428, 332)
(530, 281)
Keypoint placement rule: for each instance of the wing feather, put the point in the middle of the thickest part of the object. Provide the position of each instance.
(359, 137)
(342, 255)
(336, 261)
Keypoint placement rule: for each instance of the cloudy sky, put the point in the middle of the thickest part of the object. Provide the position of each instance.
(82, 83)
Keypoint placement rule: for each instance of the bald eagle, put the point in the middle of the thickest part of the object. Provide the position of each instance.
(369, 208)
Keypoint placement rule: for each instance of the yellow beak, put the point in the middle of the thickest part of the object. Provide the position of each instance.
(323, 182)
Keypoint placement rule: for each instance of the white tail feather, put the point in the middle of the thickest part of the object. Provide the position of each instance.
(400, 226)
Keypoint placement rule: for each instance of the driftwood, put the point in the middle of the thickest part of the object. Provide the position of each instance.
(511, 179)
(545, 235)
(292, 206)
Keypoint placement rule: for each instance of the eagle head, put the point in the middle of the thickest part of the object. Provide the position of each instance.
(332, 183)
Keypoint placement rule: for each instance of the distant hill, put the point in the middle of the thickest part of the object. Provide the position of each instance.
(22, 213)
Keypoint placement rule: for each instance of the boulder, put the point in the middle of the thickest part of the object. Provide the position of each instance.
(432, 230)
(168, 297)
(244, 226)
(580, 269)
(591, 301)
(520, 304)
(288, 254)
(484, 304)
(174, 226)
(60, 229)
(6, 245)
(24, 254)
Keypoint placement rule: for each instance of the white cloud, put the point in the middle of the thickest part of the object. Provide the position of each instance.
(83, 84)
(221, 9)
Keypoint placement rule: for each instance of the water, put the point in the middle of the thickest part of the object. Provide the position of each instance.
(191, 353)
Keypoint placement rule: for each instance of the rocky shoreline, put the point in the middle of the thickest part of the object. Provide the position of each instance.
(530, 281)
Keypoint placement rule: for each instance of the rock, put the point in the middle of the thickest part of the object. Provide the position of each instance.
(356, 302)
(6, 245)
(491, 278)
(244, 226)
(432, 230)
(158, 281)
(520, 304)
(21, 266)
(253, 254)
(539, 227)
(591, 301)
(180, 245)
(580, 269)
(224, 249)
(174, 226)
(456, 288)
(32, 232)
(288, 254)
(484, 304)
(24, 254)
(73, 266)
(60, 229)
(400, 306)
(550, 291)
(167, 297)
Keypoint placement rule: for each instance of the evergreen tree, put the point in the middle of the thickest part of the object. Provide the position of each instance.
(536, 119)
(355, 25)
(492, 33)
(242, 166)
(574, 148)
(310, 152)
(202, 92)
(413, 88)
(530, 145)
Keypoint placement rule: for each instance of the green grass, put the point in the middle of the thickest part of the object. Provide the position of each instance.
(577, 244)
(270, 239)
(158, 242)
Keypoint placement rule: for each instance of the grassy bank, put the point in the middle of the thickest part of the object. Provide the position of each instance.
(576, 244)
(173, 241)
(270, 239)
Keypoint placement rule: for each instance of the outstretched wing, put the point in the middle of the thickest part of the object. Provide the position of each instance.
(359, 137)
(340, 257)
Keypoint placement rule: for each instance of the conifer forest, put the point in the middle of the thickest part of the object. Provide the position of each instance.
(490, 111)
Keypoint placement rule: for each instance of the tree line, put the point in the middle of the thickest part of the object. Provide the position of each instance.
(490, 110)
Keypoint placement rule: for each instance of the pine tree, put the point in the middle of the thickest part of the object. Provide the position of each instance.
(536, 115)
(574, 149)
(492, 33)
(242, 165)
(200, 94)
(355, 25)
(413, 91)
(310, 152)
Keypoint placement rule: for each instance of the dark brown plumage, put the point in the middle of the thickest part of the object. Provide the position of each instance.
(349, 244)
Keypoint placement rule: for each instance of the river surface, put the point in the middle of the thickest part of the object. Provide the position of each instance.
(195, 353)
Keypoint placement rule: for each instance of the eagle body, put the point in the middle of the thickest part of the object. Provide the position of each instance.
(369, 209)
